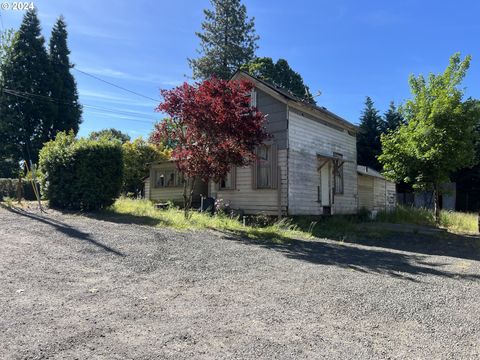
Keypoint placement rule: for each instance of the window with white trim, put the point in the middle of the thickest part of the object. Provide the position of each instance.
(264, 167)
(253, 98)
(159, 179)
(167, 178)
(228, 183)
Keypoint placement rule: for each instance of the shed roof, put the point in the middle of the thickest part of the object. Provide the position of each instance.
(368, 171)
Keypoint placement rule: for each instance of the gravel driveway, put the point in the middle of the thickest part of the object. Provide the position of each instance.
(77, 287)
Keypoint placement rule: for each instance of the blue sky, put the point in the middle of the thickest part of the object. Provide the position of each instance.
(346, 49)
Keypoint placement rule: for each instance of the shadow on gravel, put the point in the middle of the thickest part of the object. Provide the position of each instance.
(63, 228)
(442, 243)
(105, 215)
(402, 266)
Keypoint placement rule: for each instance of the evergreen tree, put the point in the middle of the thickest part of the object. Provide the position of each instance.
(64, 88)
(8, 166)
(393, 118)
(368, 137)
(26, 113)
(279, 74)
(228, 40)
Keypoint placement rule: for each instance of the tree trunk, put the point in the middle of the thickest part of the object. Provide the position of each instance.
(188, 186)
(436, 203)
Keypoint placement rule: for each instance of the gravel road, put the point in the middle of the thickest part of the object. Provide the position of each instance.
(74, 287)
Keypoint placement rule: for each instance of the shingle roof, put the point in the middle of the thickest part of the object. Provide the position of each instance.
(367, 171)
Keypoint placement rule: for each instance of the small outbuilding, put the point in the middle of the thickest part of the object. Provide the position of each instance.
(375, 193)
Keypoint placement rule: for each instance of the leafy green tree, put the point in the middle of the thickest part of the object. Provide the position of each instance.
(368, 137)
(392, 118)
(26, 113)
(68, 111)
(137, 155)
(227, 41)
(279, 74)
(438, 136)
(109, 134)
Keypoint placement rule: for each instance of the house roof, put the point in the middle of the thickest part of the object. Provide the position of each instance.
(295, 100)
(368, 171)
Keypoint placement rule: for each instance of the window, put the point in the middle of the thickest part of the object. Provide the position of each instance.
(179, 179)
(338, 173)
(228, 183)
(159, 179)
(167, 178)
(170, 179)
(264, 178)
(253, 98)
(265, 169)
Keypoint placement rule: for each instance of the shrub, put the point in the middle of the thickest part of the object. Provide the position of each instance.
(81, 174)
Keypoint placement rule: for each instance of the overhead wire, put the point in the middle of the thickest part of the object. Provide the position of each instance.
(31, 96)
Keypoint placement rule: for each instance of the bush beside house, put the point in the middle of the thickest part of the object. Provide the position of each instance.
(81, 174)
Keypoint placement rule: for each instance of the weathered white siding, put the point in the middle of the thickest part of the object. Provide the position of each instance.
(175, 193)
(365, 192)
(146, 188)
(254, 201)
(391, 196)
(376, 194)
(306, 138)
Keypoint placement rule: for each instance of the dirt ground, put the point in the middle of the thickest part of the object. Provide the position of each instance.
(73, 287)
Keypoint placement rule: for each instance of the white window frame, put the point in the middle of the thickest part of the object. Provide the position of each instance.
(232, 174)
(253, 98)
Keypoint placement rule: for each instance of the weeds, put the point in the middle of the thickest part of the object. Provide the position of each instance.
(173, 217)
(451, 220)
(338, 227)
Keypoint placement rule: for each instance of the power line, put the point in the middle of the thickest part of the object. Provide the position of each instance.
(30, 96)
(115, 85)
(107, 82)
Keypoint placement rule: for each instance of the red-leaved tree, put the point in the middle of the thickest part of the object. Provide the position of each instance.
(212, 127)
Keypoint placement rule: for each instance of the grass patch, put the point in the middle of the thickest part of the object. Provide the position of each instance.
(338, 227)
(457, 221)
(451, 220)
(143, 211)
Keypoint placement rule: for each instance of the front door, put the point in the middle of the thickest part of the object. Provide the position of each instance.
(325, 199)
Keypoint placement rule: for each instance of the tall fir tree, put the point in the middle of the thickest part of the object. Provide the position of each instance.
(279, 74)
(68, 111)
(8, 166)
(227, 41)
(392, 118)
(26, 113)
(368, 137)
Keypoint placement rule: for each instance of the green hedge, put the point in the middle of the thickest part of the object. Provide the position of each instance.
(8, 188)
(81, 174)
